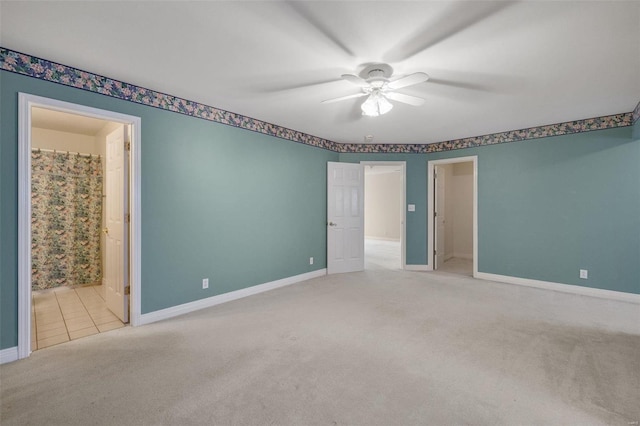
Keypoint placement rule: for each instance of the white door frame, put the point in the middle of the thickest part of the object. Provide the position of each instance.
(25, 103)
(430, 207)
(439, 216)
(403, 201)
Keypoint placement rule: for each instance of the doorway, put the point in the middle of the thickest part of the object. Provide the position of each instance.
(70, 192)
(384, 215)
(452, 215)
(63, 236)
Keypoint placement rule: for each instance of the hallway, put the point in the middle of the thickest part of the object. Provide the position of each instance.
(381, 254)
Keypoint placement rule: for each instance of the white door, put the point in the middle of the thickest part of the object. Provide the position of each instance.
(345, 217)
(116, 268)
(440, 215)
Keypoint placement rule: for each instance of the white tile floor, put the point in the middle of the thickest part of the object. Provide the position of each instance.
(62, 314)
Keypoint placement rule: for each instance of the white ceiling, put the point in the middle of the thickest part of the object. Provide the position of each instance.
(64, 122)
(494, 66)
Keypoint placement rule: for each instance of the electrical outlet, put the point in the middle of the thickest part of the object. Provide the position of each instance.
(584, 274)
(205, 283)
(311, 261)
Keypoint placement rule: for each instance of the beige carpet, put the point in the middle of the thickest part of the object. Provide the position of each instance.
(369, 348)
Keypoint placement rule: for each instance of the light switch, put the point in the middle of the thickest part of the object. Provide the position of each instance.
(411, 207)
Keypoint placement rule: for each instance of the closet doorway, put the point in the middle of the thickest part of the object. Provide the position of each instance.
(452, 215)
(74, 222)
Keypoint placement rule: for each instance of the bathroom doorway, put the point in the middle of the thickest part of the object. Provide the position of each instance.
(71, 176)
(69, 197)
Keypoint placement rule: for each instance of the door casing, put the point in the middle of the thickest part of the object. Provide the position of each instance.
(25, 104)
(430, 208)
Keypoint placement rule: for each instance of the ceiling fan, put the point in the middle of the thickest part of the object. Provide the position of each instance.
(379, 89)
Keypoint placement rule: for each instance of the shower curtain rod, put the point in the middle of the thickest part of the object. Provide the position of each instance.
(55, 151)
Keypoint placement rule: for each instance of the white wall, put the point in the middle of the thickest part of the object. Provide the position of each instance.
(382, 204)
(63, 141)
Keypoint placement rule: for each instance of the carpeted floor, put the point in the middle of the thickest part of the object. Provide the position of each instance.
(369, 348)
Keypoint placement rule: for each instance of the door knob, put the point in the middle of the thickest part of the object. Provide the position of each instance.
(105, 230)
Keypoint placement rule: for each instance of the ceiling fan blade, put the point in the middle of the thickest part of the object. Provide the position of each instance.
(410, 80)
(406, 99)
(355, 80)
(344, 98)
(456, 17)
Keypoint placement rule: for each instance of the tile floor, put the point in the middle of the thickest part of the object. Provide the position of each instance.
(64, 313)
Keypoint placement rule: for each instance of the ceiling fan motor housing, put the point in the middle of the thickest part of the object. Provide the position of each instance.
(376, 70)
(377, 75)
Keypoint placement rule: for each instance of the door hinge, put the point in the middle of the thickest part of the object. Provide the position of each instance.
(127, 146)
(127, 290)
(435, 252)
(127, 218)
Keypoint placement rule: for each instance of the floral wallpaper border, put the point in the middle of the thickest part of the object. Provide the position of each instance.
(578, 126)
(43, 69)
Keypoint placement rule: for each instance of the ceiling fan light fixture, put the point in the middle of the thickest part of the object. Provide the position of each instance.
(374, 82)
(375, 105)
(378, 83)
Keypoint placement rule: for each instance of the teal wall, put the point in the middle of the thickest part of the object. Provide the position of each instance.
(243, 208)
(238, 207)
(546, 207)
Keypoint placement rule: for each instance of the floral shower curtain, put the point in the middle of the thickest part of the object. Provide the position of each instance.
(66, 217)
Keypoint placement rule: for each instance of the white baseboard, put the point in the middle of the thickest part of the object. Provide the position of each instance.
(418, 268)
(396, 240)
(185, 308)
(564, 288)
(9, 355)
